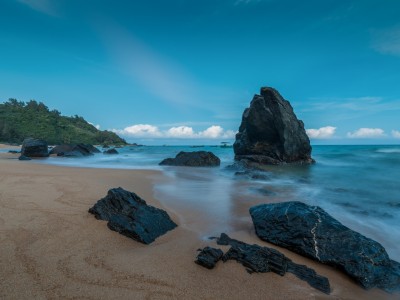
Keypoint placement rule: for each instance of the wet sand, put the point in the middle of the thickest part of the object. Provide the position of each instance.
(51, 247)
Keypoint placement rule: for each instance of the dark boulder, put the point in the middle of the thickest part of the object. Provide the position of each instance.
(310, 231)
(263, 259)
(270, 133)
(34, 148)
(129, 215)
(208, 257)
(74, 150)
(14, 151)
(111, 151)
(193, 159)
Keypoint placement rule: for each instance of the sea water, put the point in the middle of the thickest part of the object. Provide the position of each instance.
(358, 185)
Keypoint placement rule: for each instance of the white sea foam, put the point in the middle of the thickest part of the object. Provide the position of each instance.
(388, 150)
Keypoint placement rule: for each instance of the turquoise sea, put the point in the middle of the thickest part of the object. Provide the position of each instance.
(358, 185)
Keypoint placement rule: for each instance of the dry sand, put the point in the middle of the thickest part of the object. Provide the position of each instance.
(52, 248)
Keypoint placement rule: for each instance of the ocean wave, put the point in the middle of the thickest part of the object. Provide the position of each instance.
(388, 150)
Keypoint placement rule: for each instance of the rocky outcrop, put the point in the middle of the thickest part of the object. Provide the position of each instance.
(193, 159)
(74, 150)
(34, 148)
(208, 257)
(261, 260)
(270, 133)
(129, 215)
(310, 231)
(111, 151)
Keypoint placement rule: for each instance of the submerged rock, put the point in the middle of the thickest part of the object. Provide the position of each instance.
(263, 259)
(129, 215)
(193, 159)
(208, 257)
(111, 151)
(310, 231)
(74, 150)
(270, 133)
(23, 157)
(34, 148)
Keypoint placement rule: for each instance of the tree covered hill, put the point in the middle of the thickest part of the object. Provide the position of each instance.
(19, 120)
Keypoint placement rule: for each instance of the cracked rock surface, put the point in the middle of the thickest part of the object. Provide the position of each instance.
(312, 232)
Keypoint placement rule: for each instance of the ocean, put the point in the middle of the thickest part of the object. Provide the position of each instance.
(358, 185)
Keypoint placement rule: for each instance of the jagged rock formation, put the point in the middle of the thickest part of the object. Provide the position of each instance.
(34, 148)
(129, 215)
(262, 260)
(193, 159)
(270, 133)
(74, 150)
(208, 257)
(310, 231)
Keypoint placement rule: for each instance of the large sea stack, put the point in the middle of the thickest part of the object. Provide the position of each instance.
(270, 132)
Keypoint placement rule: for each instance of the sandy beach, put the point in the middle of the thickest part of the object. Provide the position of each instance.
(52, 248)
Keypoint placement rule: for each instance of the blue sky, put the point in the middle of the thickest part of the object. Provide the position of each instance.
(183, 71)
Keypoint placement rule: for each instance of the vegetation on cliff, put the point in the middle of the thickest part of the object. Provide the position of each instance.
(19, 120)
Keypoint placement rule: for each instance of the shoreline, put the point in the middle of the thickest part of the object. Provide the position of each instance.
(53, 248)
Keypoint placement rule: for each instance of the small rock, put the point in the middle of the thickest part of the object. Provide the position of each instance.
(208, 257)
(23, 157)
(111, 151)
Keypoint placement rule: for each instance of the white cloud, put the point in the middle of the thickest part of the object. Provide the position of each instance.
(321, 133)
(180, 132)
(387, 41)
(43, 6)
(366, 133)
(140, 130)
(245, 2)
(396, 134)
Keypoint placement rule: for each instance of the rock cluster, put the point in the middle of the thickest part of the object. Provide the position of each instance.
(312, 232)
(74, 150)
(193, 159)
(260, 260)
(130, 215)
(270, 133)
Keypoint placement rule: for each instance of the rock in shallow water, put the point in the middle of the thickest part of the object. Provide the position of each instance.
(310, 231)
(270, 133)
(129, 215)
(193, 159)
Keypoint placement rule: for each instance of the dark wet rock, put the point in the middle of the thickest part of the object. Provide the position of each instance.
(129, 215)
(208, 257)
(193, 159)
(34, 148)
(251, 174)
(74, 150)
(111, 151)
(310, 231)
(14, 151)
(263, 259)
(23, 157)
(106, 146)
(270, 133)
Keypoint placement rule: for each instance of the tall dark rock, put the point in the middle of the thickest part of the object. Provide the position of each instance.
(270, 132)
